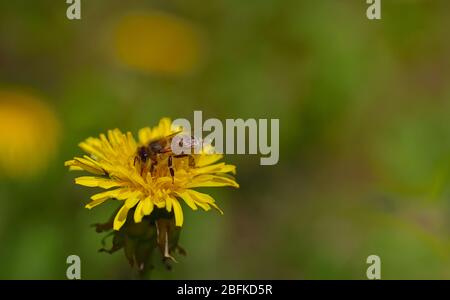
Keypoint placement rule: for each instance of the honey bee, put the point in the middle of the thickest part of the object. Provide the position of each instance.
(149, 153)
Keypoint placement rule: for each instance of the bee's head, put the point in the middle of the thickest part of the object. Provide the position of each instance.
(142, 153)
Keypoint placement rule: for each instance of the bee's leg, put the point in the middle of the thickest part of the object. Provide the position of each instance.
(135, 159)
(171, 170)
(154, 162)
(191, 161)
(143, 168)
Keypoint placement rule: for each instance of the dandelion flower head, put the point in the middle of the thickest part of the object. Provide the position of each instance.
(111, 159)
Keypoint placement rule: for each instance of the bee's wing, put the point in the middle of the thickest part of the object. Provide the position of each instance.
(166, 137)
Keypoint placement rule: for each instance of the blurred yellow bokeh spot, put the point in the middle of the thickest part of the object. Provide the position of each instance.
(158, 43)
(29, 133)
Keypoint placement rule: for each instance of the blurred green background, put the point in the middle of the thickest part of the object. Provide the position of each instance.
(364, 131)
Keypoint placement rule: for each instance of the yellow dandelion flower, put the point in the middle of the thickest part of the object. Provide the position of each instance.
(112, 160)
(23, 120)
(157, 42)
